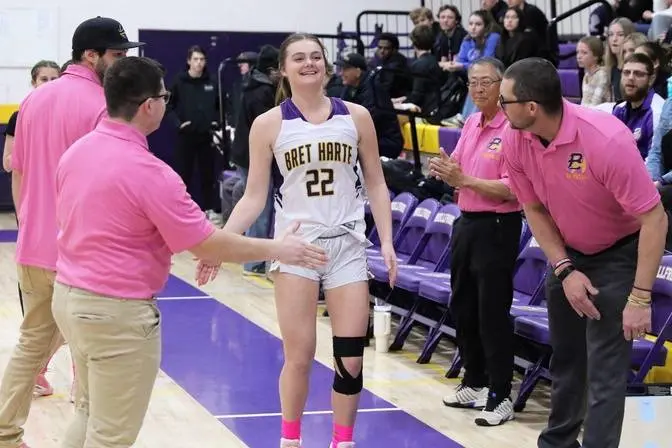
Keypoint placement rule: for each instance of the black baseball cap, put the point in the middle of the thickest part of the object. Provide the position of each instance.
(355, 60)
(102, 33)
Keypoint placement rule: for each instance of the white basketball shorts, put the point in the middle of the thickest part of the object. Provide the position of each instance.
(347, 261)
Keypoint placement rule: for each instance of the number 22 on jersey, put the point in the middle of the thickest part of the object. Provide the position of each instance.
(320, 182)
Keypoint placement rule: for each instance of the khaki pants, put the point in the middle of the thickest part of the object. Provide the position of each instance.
(116, 346)
(39, 340)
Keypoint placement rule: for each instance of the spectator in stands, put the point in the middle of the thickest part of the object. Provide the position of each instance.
(387, 54)
(424, 96)
(659, 57)
(484, 248)
(536, 21)
(598, 218)
(481, 42)
(595, 89)
(246, 61)
(424, 16)
(631, 42)
(258, 97)
(497, 9)
(447, 44)
(41, 73)
(659, 159)
(602, 16)
(516, 42)
(365, 90)
(195, 111)
(618, 30)
(661, 20)
(642, 106)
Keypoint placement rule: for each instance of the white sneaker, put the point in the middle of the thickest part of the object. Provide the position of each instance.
(290, 443)
(343, 445)
(501, 414)
(467, 397)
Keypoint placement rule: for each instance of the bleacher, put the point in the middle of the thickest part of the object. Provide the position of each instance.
(422, 233)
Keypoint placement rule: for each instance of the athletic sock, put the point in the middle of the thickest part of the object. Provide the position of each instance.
(291, 430)
(342, 434)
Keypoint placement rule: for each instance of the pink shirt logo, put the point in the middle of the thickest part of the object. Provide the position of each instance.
(493, 149)
(576, 167)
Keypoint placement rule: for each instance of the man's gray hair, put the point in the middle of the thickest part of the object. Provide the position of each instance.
(491, 62)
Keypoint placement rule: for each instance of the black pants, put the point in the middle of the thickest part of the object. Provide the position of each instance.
(591, 358)
(193, 149)
(484, 251)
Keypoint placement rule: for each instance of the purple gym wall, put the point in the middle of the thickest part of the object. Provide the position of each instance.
(170, 49)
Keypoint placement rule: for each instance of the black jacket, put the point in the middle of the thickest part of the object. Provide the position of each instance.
(390, 141)
(258, 97)
(195, 100)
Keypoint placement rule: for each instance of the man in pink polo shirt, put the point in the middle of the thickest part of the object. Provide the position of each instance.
(51, 118)
(122, 213)
(484, 248)
(598, 218)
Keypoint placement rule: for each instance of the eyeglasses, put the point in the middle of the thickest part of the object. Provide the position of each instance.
(165, 96)
(503, 102)
(485, 83)
(635, 73)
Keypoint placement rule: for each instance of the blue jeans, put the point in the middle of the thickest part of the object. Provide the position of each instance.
(259, 228)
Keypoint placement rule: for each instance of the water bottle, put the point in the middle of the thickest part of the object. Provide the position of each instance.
(382, 326)
(669, 87)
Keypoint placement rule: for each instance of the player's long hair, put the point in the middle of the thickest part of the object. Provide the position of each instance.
(284, 90)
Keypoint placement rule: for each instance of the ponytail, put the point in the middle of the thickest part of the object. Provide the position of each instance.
(283, 92)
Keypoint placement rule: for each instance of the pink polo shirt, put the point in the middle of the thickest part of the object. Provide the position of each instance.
(479, 154)
(122, 213)
(52, 118)
(591, 177)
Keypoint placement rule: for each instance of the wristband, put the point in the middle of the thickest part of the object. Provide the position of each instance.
(562, 275)
(560, 262)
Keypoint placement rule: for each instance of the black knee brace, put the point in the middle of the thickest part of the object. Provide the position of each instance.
(348, 347)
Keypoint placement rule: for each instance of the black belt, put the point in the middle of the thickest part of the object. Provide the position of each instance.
(484, 215)
(617, 245)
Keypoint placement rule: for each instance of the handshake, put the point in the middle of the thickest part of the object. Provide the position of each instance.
(289, 249)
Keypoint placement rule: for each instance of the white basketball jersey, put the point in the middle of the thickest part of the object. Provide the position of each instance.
(315, 172)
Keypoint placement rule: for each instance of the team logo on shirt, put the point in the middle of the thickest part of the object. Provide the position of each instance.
(576, 166)
(493, 148)
(637, 133)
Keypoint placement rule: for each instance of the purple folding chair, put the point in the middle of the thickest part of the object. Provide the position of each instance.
(367, 205)
(645, 353)
(569, 79)
(528, 281)
(409, 236)
(402, 206)
(567, 61)
(431, 256)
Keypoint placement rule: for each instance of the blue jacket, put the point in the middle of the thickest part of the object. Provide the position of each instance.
(654, 161)
(643, 120)
(469, 53)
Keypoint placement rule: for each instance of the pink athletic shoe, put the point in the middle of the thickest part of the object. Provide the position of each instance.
(42, 387)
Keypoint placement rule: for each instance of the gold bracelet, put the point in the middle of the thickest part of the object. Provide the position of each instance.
(639, 301)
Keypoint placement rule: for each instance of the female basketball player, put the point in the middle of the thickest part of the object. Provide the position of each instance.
(310, 145)
(41, 73)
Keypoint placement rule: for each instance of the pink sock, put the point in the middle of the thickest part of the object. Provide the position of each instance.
(291, 430)
(342, 434)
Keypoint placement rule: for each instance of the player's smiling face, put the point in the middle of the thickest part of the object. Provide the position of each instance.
(305, 63)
